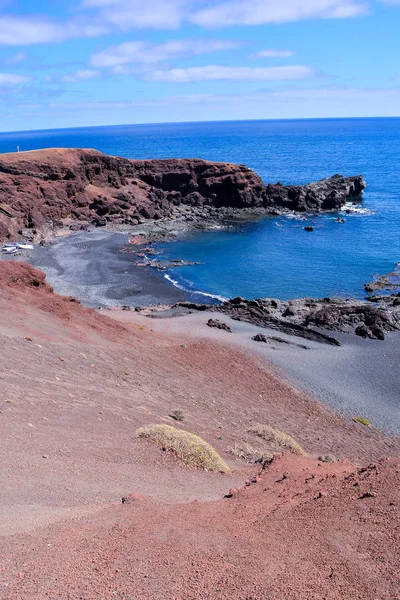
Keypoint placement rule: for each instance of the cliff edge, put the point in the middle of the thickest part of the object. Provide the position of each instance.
(78, 187)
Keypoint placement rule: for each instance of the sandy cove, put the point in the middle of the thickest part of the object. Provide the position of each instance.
(359, 378)
(76, 383)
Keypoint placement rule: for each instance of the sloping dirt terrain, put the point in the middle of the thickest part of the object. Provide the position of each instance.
(300, 530)
(76, 384)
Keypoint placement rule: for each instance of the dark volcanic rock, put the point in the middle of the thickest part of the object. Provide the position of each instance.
(327, 194)
(219, 325)
(266, 339)
(389, 282)
(162, 265)
(359, 317)
(269, 313)
(47, 189)
(300, 317)
(297, 317)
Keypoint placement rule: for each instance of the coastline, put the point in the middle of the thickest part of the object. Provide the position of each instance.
(356, 379)
(91, 266)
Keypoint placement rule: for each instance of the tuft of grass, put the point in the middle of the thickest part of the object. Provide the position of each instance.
(362, 420)
(190, 448)
(250, 454)
(277, 437)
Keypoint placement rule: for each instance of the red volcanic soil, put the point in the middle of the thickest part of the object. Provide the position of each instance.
(76, 384)
(300, 530)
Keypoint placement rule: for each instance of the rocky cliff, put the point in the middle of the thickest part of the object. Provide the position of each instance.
(327, 194)
(58, 187)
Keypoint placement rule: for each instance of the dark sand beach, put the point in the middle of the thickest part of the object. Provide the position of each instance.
(359, 378)
(93, 267)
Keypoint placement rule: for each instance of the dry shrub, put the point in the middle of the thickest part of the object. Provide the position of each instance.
(190, 448)
(362, 420)
(277, 437)
(245, 451)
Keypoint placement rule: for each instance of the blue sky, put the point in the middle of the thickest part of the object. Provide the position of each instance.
(100, 62)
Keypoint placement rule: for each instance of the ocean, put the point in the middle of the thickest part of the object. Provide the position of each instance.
(271, 257)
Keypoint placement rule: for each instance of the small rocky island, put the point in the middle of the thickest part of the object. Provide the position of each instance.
(45, 190)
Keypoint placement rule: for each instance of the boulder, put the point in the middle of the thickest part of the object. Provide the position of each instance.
(219, 325)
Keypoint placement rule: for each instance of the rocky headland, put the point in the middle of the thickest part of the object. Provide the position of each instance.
(45, 190)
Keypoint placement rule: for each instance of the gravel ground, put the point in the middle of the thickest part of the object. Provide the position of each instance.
(358, 378)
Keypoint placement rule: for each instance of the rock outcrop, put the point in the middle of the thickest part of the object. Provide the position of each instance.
(306, 316)
(327, 194)
(76, 188)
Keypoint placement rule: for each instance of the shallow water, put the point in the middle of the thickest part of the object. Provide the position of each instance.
(273, 256)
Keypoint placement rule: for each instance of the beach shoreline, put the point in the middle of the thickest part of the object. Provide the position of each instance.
(356, 379)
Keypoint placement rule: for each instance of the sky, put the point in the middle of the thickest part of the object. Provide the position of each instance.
(67, 63)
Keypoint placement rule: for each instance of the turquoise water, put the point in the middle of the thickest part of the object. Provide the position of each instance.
(273, 256)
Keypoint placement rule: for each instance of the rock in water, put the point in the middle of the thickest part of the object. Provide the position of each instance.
(327, 194)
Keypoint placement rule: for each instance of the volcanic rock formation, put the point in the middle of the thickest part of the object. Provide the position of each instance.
(300, 317)
(327, 194)
(77, 188)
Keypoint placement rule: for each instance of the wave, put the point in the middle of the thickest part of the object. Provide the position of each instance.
(191, 291)
(352, 208)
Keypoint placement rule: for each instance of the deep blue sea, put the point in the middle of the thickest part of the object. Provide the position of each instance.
(272, 257)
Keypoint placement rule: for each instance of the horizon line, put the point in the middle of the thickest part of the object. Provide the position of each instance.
(287, 119)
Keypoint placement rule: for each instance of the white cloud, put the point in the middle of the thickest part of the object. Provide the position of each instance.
(276, 53)
(83, 75)
(162, 14)
(98, 17)
(147, 53)
(28, 30)
(9, 79)
(137, 14)
(22, 31)
(222, 73)
(258, 12)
